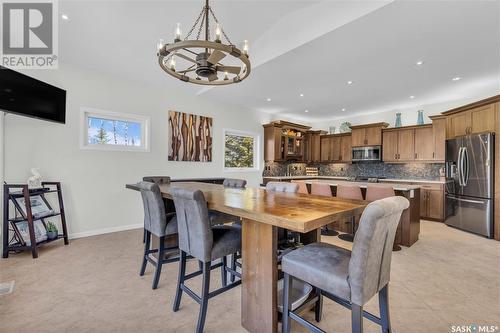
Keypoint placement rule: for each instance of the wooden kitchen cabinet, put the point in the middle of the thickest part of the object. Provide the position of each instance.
(284, 141)
(326, 148)
(345, 148)
(367, 135)
(390, 146)
(439, 133)
(335, 154)
(432, 201)
(476, 120)
(411, 143)
(424, 144)
(312, 146)
(406, 145)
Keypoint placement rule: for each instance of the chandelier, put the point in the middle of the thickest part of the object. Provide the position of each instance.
(203, 57)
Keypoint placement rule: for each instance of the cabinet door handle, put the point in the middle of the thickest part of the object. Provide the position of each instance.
(433, 155)
(395, 156)
(416, 155)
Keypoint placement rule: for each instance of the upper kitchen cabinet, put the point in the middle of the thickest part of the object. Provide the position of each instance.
(474, 120)
(336, 148)
(284, 141)
(424, 143)
(367, 135)
(312, 146)
(439, 135)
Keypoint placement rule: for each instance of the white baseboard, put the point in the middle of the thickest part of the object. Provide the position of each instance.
(102, 231)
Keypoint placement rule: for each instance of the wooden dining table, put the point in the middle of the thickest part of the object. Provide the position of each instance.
(262, 213)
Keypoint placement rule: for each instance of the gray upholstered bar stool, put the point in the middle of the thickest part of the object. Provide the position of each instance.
(157, 180)
(352, 192)
(282, 187)
(198, 239)
(218, 218)
(349, 278)
(158, 223)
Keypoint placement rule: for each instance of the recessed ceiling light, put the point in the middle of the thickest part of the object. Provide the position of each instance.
(349, 82)
(343, 109)
(268, 99)
(64, 17)
(420, 63)
(456, 78)
(306, 111)
(412, 97)
(301, 95)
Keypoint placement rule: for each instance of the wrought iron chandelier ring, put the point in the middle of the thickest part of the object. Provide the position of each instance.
(206, 63)
(204, 56)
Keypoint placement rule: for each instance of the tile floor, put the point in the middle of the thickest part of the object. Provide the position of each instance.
(448, 277)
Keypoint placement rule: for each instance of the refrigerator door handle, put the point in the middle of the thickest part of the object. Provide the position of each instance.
(466, 160)
(459, 166)
(466, 200)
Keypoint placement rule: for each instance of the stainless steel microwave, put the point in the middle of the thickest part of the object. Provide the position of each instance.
(367, 154)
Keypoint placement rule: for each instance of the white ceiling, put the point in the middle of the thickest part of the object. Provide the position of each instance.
(309, 47)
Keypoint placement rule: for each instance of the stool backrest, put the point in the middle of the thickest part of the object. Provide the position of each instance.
(157, 179)
(370, 264)
(236, 183)
(302, 186)
(193, 224)
(349, 192)
(155, 220)
(377, 192)
(282, 187)
(322, 189)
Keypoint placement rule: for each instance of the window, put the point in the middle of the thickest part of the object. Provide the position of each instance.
(108, 130)
(240, 151)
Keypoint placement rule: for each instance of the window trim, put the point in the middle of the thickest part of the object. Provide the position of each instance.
(145, 121)
(256, 144)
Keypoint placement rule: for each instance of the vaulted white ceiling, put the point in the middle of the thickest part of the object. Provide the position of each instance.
(306, 47)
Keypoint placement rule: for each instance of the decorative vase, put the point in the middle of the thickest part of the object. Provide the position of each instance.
(331, 129)
(398, 120)
(51, 235)
(420, 119)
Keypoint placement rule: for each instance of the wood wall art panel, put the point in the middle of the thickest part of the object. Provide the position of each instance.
(190, 137)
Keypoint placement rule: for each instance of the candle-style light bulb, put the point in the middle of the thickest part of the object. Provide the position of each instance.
(226, 76)
(218, 32)
(178, 33)
(172, 63)
(160, 44)
(245, 47)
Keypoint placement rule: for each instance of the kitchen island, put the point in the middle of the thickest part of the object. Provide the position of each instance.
(409, 225)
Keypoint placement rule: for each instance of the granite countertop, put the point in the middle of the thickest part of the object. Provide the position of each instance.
(333, 182)
(386, 180)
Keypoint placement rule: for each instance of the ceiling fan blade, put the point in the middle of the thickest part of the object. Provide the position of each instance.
(185, 57)
(212, 77)
(229, 69)
(216, 56)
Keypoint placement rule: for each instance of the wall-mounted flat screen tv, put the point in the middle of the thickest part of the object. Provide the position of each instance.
(24, 95)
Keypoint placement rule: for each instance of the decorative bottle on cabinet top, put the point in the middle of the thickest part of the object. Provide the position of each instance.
(398, 120)
(420, 119)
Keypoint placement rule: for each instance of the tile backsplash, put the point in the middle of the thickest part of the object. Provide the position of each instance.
(429, 171)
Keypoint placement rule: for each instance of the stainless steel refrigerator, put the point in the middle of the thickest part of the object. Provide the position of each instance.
(469, 183)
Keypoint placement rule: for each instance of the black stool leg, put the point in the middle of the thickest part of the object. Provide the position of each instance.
(147, 241)
(233, 267)
(357, 318)
(383, 303)
(180, 280)
(318, 309)
(287, 292)
(204, 297)
(159, 262)
(223, 271)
